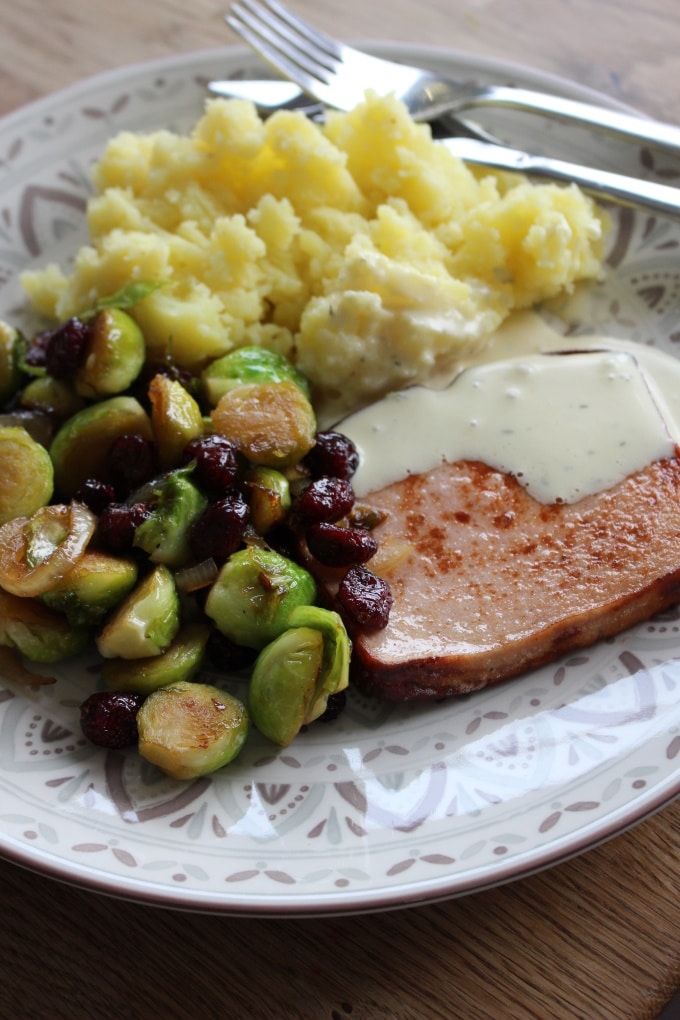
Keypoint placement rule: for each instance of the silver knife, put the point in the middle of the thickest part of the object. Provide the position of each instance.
(601, 184)
(604, 185)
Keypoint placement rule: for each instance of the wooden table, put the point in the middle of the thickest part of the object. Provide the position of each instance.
(596, 938)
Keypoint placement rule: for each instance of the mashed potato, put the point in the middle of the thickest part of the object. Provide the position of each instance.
(362, 249)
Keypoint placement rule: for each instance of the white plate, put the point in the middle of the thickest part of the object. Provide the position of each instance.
(390, 805)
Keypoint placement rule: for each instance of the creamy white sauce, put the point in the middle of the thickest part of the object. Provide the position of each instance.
(565, 425)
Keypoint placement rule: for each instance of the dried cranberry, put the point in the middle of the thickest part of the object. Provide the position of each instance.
(340, 547)
(332, 454)
(325, 499)
(109, 718)
(219, 530)
(118, 523)
(334, 707)
(365, 598)
(131, 462)
(36, 349)
(172, 370)
(66, 348)
(95, 494)
(225, 654)
(216, 462)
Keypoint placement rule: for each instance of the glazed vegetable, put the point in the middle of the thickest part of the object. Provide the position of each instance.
(254, 594)
(176, 504)
(81, 446)
(191, 729)
(37, 552)
(38, 633)
(180, 661)
(92, 588)
(113, 356)
(26, 474)
(269, 498)
(175, 419)
(51, 396)
(294, 676)
(249, 365)
(270, 423)
(147, 621)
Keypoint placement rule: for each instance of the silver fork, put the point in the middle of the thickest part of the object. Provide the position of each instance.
(338, 76)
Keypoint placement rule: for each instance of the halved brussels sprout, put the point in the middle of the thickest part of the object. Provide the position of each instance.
(38, 633)
(114, 354)
(269, 498)
(177, 504)
(175, 418)
(283, 683)
(295, 674)
(52, 396)
(95, 585)
(337, 649)
(270, 423)
(249, 365)
(26, 474)
(37, 552)
(254, 594)
(146, 622)
(181, 661)
(80, 448)
(191, 729)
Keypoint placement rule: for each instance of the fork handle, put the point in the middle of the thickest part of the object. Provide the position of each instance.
(633, 128)
(601, 184)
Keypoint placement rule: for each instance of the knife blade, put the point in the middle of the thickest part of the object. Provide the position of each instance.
(601, 184)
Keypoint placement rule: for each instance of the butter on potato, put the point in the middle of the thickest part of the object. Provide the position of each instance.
(362, 249)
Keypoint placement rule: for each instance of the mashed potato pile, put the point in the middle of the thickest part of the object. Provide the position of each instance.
(362, 249)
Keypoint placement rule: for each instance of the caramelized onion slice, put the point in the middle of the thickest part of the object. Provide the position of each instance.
(197, 576)
(17, 575)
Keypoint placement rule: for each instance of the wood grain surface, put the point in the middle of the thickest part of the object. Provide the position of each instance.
(596, 938)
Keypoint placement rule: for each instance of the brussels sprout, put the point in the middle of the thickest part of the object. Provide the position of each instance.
(163, 535)
(181, 661)
(249, 365)
(191, 729)
(26, 474)
(269, 498)
(53, 396)
(146, 622)
(175, 418)
(337, 649)
(113, 357)
(270, 423)
(79, 449)
(296, 673)
(10, 370)
(37, 552)
(284, 682)
(37, 632)
(254, 593)
(96, 585)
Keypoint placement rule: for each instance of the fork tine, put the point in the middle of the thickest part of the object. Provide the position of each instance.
(314, 35)
(288, 62)
(310, 53)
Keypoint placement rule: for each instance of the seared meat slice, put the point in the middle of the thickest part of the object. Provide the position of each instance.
(489, 583)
